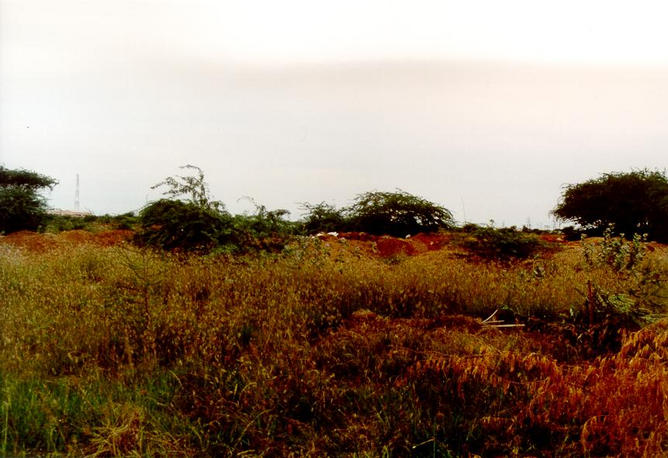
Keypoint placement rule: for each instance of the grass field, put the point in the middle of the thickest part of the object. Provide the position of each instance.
(329, 348)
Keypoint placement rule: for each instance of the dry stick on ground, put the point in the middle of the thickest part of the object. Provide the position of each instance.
(486, 320)
(490, 322)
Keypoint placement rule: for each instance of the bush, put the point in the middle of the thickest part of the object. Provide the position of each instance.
(172, 224)
(60, 223)
(198, 223)
(396, 213)
(194, 223)
(123, 221)
(266, 230)
(600, 321)
(323, 217)
(502, 244)
(265, 223)
(381, 213)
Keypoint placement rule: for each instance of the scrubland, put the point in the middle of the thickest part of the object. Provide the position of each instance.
(328, 349)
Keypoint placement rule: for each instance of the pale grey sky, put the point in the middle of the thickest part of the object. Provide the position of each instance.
(485, 107)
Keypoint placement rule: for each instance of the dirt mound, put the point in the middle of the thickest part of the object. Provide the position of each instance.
(76, 236)
(389, 246)
(361, 236)
(429, 242)
(30, 241)
(37, 242)
(113, 237)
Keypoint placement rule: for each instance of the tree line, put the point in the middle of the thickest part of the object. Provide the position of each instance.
(188, 218)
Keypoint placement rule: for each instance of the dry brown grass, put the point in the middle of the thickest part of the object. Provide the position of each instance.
(326, 349)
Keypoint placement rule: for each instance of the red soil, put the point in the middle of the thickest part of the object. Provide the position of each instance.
(113, 237)
(30, 241)
(36, 242)
(389, 246)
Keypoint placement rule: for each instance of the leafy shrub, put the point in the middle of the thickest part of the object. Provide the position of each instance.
(628, 260)
(606, 312)
(172, 224)
(382, 213)
(194, 223)
(571, 233)
(265, 223)
(603, 316)
(198, 223)
(616, 252)
(502, 244)
(397, 213)
(323, 217)
(623, 255)
(469, 228)
(123, 221)
(59, 223)
(266, 230)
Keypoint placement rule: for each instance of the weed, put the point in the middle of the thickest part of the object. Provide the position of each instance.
(322, 349)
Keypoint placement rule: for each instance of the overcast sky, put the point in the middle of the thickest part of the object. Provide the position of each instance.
(485, 107)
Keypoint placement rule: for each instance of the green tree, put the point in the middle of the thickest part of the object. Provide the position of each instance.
(21, 205)
(397, 213)
(631, 202)
(322, 217)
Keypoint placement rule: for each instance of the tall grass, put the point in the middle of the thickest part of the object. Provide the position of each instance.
(318, 350)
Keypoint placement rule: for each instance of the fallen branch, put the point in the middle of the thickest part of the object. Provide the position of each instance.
(491, 316)
(492, 323)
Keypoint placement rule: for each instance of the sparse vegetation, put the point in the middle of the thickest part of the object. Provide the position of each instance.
(188, 331)
(326, 349)
(92, 223)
